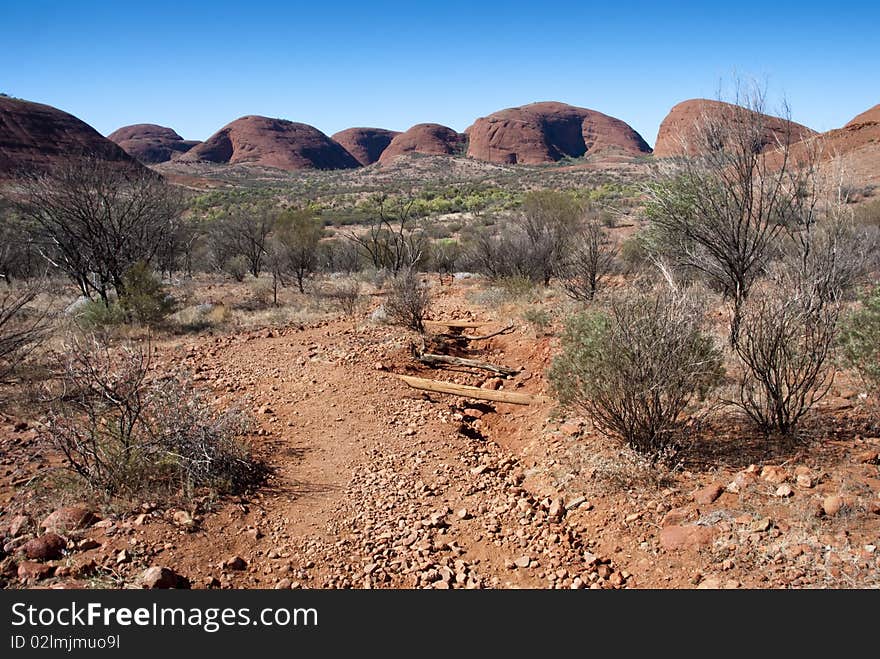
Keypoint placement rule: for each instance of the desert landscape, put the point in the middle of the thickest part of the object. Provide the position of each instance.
(535, 354)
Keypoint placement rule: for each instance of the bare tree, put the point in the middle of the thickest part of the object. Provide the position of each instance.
(721, 210)
(590, 258)
(93, 220)
(392, 240)
(244, 231)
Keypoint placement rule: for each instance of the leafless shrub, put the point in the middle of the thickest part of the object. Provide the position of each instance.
(393, 240)
(636, 366)
(21, 326)
(347, 295)
(590, 258)
(785, 341)
(126, 434)
(408, 300)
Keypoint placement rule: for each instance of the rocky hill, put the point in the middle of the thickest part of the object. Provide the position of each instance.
(150, 143)
(272, 142)
(35, 137)
(547, 132)
(365, 144)
(425, 138)
(677, 135)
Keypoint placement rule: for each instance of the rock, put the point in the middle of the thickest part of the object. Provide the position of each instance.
(427, 139)
(868, 457)
(70, 518)
(804, 481)
(522, 561)
(184, 519)
(774, 474)
(269, 142)
(235, 563)
(151, 144)
(557, 509)
(577, 502)
(283, 584)
(710, 583)
(706, 495)
(549, 131)
(463, 514)
(677, 517)
(122, 557)
(679, 134)
(158, 577)
(571, 428)
(30, 571)
(46, 547)
(681, 537)
(492, 383)
(632, 517)
(761, 525)
(18, 526)
(365, 144)
(379, 366)
(742, 480)
(832, 504)
(37, 137)
(783, 491)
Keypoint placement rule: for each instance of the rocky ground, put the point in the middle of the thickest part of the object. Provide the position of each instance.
(376, 485)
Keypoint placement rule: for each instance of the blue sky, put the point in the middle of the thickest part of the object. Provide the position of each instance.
(195, 66)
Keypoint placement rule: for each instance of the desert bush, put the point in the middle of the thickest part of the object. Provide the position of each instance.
(408, 300)
(347, 295)
(590, 258)
(98, 315)
(860, 339)
(636, 366)
(236, 267)
(537, 317)
(145, 299)
(784, 344)
(125, 433)
(21, 327)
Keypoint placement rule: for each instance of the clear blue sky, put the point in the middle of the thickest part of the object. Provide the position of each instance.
(196, 66)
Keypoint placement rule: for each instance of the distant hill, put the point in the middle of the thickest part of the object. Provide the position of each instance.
(150, 143)
(549, 131)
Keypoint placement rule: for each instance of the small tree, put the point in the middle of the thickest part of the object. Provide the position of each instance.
(295, 244)
(590, 258)
(721, 210)
(408, 300)
(145, 299)
(94, 220)
(392, 240)
(243, 231)
(635, 367)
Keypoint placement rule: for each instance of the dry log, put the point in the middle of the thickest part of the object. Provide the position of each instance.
(469, 337)
(469, 392)
(432, 360)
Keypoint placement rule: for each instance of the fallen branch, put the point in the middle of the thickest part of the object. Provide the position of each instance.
(455, 324)
(432, 360)
(468, 337)
(468, 392)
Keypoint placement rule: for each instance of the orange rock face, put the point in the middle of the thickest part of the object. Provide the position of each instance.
(35, 137)
(547, 132)
(365, 144)
(425, 138)
(271, 142)
(678, 135)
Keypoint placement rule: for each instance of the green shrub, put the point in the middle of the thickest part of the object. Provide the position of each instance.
(635, 367)
(145, 298)
(860, 339)
(97, 314)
